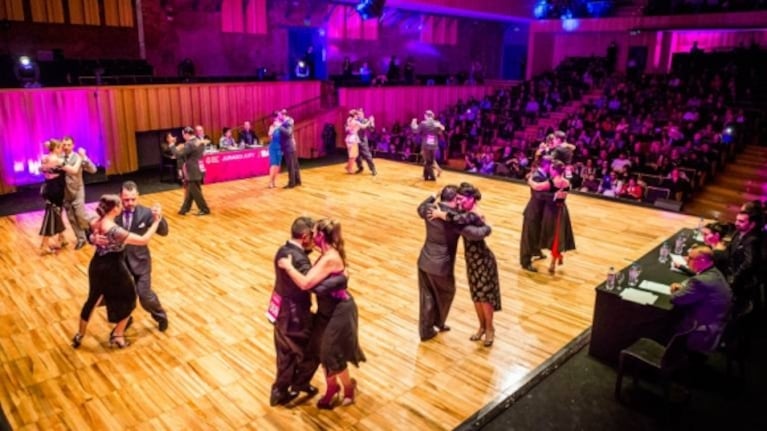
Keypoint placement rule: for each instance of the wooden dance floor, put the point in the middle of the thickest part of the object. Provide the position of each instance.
(213, 367)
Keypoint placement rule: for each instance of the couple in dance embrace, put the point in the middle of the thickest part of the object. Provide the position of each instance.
(304, 340)
(456, 215)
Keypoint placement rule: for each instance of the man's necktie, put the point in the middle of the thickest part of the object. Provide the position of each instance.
(128, 219)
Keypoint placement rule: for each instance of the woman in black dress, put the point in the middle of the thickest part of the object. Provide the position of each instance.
(556, 229)
(109, 280)
(481, 266)
(53, 193)
(336, 313)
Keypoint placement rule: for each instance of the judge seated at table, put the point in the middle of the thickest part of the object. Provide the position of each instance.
(227, 142)
(704, 299)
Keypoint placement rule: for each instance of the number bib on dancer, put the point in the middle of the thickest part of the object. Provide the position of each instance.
(431, 140)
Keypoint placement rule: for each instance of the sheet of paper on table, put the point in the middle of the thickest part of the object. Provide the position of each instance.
(677, 259)
(655, 287)
(638, 296)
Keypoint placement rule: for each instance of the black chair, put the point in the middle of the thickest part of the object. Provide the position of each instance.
(647, 355)
(735, 343)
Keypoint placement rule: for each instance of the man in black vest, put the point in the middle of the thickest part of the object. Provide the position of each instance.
(429, 129)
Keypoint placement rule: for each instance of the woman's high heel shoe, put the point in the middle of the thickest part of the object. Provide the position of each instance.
(114, 341)
(489, 338)
(63, 241)
(77, 340)
(561, 260)
(349, 394)
(478, 335)
(328, 401)
(552, 268)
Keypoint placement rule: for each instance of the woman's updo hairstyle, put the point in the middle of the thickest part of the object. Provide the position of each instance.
(331, 231)
(52, 144)
(467, 189)
(106, 204)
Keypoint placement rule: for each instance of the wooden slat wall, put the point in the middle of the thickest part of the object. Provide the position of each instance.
(118, 13)
(123, 111)
(390, 104)
(308, 133)
(12, 10)
(51, 11)
(84, 12)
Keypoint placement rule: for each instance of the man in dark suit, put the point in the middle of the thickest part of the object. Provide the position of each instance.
(436, 263)
(705, 300)
(743, 257)
(288, 145)
(192, 151)
(429, 129)
(137, 219)
(365, 125)
(74, 194)
(529, 245)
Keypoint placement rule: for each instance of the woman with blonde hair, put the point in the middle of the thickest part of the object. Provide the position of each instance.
(352, 140)
(53, 193)
(337, 320)
(109, 280)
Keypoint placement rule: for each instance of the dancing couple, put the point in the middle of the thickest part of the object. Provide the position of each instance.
(304, 341)
(554, 229)
(456, 215)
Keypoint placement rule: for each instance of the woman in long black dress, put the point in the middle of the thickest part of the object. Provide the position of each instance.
(556, 228)
(336, 312)
(109, 280)
(53, 193)
(481, 266)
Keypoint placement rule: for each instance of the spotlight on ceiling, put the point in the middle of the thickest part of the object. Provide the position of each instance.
(370, 8)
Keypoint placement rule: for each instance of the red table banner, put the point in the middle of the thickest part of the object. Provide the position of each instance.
(233, 165)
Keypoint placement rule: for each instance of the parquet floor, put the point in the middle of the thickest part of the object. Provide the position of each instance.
(214, 366)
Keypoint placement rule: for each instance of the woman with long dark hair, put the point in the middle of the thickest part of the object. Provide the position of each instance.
(109, 280)
(53, 193)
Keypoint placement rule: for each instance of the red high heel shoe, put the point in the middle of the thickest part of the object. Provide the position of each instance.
(349, 394)
(561, 260)
(328, 401)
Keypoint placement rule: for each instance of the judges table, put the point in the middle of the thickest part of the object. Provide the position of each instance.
(232, 165)
(618, 322)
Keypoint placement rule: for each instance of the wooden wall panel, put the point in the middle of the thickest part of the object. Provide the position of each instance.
(12, 10)
(117, 113)
(118, 13)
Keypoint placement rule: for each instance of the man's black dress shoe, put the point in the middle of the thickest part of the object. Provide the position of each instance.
(429, 337)
(162, 324)
(308, 389)
(529, 267)
(443, 328)
(202, 213)
(539, 256)
(374, 172)
(282, 398)
(288, 187)
(80, 244)
(182, 212)
(359, 170)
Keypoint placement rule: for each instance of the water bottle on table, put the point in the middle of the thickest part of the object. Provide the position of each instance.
(680, 243)
(610, 282)
(634, 272)
(664, 251)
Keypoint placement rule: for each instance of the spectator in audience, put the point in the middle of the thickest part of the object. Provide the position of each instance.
(632, 190)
